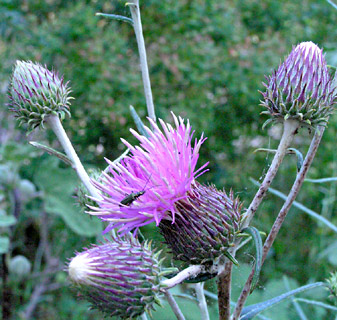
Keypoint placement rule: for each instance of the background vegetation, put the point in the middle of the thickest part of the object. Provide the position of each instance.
(207, 61)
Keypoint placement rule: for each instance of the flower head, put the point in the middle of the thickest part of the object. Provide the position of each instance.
(206, 225)
(35, 92)
(301, 88)
(120, 277)
(145, 186)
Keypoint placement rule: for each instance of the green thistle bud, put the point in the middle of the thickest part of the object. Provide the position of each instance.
(120, 277)
(205, 227)
(19, 267)
(301, 88)
(36, 92)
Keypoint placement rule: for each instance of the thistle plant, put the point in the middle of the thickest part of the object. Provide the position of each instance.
(156, 182)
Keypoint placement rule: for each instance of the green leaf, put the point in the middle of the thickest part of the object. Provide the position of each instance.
(300, 206)
(52, 152)
(258, 254)
(59, 186)
(4, 245)
(7, 221)
(115, 17)
(138, 122)
(299, 158)
(251, 311)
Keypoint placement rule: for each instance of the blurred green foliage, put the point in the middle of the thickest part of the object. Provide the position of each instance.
(207, 60)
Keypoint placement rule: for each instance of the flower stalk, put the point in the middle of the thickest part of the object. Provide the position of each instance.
(137, 25)
(282, 215)
(199, 290)
(190, 272)
(224, 291)
(290, 128)
(60, 133)
(175, 308)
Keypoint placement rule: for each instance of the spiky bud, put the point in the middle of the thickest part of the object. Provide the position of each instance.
(205, 227)
(301, 88)
(120, 277)
(36, 92)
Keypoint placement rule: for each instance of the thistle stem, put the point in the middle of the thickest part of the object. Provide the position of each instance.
(224, 291)
(282, 215)
(289, 130)
(199, 290)
(59, 131)
(189, 272)
(174, 306)
(137, 25)
(144, 316)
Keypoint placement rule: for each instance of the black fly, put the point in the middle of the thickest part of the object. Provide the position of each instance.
(127, 201)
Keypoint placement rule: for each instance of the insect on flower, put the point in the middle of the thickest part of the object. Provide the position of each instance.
(127, 201)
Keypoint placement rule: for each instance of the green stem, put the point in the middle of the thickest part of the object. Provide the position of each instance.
(57, 127)
(281, 216)
(137, 25)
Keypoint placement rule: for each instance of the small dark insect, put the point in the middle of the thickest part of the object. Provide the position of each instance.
(127, 201)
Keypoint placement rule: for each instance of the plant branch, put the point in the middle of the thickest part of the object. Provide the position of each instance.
(224, 291)
(174, 306)
(57, 127)
(189, 272)
(290, 128)
(137, 25)
(199, 290)
(282, 215)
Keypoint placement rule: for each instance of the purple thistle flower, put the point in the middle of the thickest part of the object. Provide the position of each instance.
(120, 277)
(301, 88)
(206, 225)
(145, 186)
(35, 92)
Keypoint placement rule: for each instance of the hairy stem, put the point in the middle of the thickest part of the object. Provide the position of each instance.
(289, 130)
(224, 291)
(189, 272)
(282, 215)
(199, 290)
(57, 127)
(174, 306)
(137, 25)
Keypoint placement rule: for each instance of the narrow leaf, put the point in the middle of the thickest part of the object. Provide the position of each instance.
(251, 311)
(334, 5)
(138, 122)
(297, 306)
(115, 17)
(258, 254)
(301, 207)
(317, 303)
(299, 156)
(322, 180)
(52, 152)
(231, 258)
